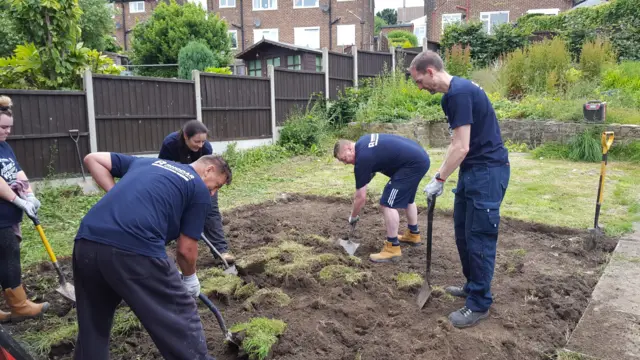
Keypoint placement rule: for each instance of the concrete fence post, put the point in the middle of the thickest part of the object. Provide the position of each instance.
(272, 91)
(354, 52)
(425, 44)
(392, 50)
(325, 68)
(195, 75)
(91, 110)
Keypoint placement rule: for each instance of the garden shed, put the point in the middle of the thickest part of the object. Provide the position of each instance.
(266, 52)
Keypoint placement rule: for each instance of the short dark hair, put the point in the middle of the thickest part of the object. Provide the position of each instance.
(219, 163)
(425, 59)
(338, 147)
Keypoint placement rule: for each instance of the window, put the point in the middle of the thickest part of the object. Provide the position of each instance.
(112, 9)
(319, 63)
(491, 19)
(346, 35)
(555, 11)
(201, 3)
(227, 3)
(269, 34)
(293, 62)
(307, 37)
(265, 4)
(274, 61)
(136, 7)
(233, 36)
(419, 32)
(255, 68)
(448, 19)
(305, 4)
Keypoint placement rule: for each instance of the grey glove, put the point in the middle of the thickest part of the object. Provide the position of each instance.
(32, 199)
(434, 188)
(26, 206)
(353, 220)
(192, 284)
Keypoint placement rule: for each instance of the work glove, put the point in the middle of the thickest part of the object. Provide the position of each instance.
(352, 221)
(32, 199)
(192, 284)
(27, 206)
(434, 188)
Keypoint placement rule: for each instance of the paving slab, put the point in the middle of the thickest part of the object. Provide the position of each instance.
(610, 326)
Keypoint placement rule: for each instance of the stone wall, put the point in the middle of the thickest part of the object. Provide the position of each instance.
(531, 132)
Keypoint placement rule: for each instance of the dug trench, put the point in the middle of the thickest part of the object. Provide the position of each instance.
(341, 307)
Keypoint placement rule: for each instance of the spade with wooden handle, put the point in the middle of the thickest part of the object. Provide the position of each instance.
(425, 291)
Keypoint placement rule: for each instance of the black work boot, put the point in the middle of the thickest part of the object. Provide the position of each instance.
(456, 291)
(465, 317)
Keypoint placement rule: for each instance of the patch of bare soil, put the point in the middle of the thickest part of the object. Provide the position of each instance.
(542, 283)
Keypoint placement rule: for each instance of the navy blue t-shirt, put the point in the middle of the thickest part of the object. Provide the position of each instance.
(467, 103)
(173, 150)
(386, 153)
(154, 201)
(9, 169)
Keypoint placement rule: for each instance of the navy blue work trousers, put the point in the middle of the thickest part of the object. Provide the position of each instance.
(476, 217)
(104, 276)
(213, 229)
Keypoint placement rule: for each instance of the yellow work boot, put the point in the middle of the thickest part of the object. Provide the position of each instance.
(389, 253)
(21, 307)
(4, 317)
(409, 238)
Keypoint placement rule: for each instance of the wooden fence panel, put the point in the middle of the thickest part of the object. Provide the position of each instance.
(295, 89)
(134, 114)
(404, 57)
(340, 73)
(236, 107)
(40, 134)
(372, 64)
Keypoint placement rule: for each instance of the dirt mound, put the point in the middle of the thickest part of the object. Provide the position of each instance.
(341, 307)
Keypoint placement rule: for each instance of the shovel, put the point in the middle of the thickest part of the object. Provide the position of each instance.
(596, 232)
(75, 136)
(216, 312)
(65, 289)
(227, 269)
(349, 245)
(425, 291)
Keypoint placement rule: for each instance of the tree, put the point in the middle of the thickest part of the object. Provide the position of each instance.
(9, 34)
(159, 39)
(378, 24)
(390, 16)
(96, 24)
(194, 56)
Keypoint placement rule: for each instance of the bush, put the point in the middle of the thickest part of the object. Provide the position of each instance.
(586, 147)
(303, 132)
(624, 79)
(240, 160)
(398, 38)
(458, 61)
(194, 56)
(219, 70)
(513, 74)
(595, 56)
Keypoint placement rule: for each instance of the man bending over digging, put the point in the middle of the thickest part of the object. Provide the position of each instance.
(119, 252)
(405, 162)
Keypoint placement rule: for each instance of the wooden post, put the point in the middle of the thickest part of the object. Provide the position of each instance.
(195, 75)
(91, 110)
(272, 87)
(392, 49)
(325, 68)
(354, 52)
(425, 44)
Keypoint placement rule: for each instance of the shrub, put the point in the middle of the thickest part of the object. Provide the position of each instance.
(458, 61)
(398, 37)
(513, 74)
(219, 70)
(586, 147)
(470, 35)
(303, 132)
(624, 79)
(194, 56)
(239, 160)
(595, 56)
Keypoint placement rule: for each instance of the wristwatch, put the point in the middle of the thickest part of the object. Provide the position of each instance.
(438, 177)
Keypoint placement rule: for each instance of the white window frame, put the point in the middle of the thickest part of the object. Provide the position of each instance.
(260, 31)
(274, 4)
(226, 6)
(451, 15)
(295, 32)
(555, 11)
(489, 13)
(236, 35)
(424, 32)
(351, 26)
(133, 7)
(317, 5)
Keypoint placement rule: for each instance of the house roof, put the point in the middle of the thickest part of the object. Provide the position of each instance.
(590, 3)
(264, 43)
(398, 26)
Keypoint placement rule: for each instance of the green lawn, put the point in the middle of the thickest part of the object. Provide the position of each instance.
(549, 191)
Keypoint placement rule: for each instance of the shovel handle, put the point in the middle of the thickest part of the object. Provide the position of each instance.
(213, 248)
(607, 140)
(431, 204)
(47, 247)
(215, 312)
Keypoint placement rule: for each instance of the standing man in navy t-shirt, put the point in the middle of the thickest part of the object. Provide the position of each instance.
(405, 162)
(476, 147)
(119, 251)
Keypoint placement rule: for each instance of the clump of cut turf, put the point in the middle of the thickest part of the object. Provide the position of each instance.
(222, 285)
(246, 291)
(54, 332)
(125, 322)
(258, 336)
(292, 260)
(438, 291)
(409, 281)
(354, 260)
(267, 297)
(343, 273)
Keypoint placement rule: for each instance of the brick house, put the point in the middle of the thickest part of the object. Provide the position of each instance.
(491, 12)
(128, 14)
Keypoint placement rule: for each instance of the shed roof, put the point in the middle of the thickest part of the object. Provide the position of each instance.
(264, 43)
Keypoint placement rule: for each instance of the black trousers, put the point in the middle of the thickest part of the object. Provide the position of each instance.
(213, 229)
(104, 275)
(10, 271)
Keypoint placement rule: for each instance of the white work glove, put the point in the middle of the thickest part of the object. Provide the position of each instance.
(353, 220)
(434, 188)
(32, 199)
(192, 284)
(26, 206)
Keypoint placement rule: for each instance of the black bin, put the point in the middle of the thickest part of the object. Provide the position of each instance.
(594, 111)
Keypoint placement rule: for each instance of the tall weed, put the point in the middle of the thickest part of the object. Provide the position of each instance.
(458, 61)
(585, 147)
(595, 56)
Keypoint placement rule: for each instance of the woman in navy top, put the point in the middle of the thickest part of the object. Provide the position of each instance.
(186, 146)
(16, 197)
